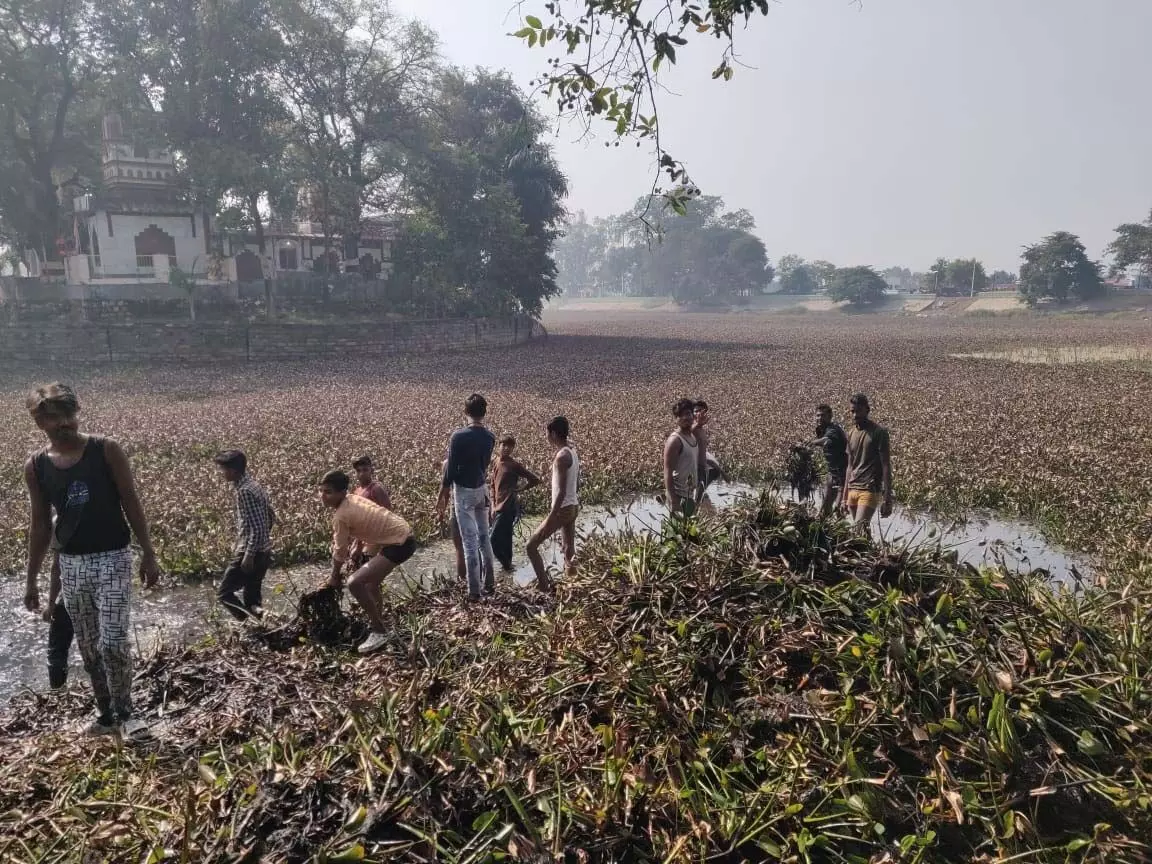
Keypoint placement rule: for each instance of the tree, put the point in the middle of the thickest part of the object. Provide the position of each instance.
(53, 54)
(858, 286)
(485, 201)
(799, 279)
(213, 66)
(607, 56)
(1058, 268)
(357, 82)
(579, 253)
(962, 275)
(1132, 248)
(822, 272)
(1002, 277)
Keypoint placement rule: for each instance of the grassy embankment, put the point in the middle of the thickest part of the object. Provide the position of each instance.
(755, 687)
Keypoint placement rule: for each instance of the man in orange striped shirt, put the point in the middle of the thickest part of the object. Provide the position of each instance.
(356, 519)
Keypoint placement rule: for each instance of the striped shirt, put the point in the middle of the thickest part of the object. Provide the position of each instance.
(254, 518)
(359, 519)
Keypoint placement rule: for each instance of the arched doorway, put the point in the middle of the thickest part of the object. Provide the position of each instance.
(152, 242)
(248, 267)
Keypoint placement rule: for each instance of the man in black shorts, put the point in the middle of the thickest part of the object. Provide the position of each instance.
(830, 436)
(380, 531)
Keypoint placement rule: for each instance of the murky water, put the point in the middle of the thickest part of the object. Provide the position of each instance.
(185, 612)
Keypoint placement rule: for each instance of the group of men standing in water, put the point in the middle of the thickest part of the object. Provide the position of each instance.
(85, 510)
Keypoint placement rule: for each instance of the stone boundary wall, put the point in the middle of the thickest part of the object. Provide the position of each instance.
(240, 343)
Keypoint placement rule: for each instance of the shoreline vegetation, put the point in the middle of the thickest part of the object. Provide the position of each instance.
(750, 686)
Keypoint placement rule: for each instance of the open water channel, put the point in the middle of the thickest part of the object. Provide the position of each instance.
(186, 611)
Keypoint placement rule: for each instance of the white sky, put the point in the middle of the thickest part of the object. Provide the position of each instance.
(887, 133)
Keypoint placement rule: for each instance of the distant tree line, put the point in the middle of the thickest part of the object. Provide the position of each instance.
(331, 111)
(708, 254)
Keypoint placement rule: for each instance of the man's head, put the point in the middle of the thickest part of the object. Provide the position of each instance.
(475, 407)
(859, 408)
(823, 415)
(232, 465)
(365, 470)
(507, 445)
(700, 412)
(558, 431)
(54, 408)
(684, 412)
(334, 488)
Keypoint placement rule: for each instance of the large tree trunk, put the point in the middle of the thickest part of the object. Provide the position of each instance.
(258, 228)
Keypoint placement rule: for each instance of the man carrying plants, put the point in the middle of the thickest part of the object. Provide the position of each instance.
(253, 550)
(388, 543)
(869, 472)
(830, 436)
(87, 481)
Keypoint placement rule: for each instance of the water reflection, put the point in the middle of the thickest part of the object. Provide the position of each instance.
(185, 612)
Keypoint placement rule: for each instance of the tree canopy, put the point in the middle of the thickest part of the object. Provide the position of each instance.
(857, 286)
(1132, 248)
(707, 254)
(1058, 268)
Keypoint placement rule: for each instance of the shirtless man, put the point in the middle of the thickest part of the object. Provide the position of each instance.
(565, 503)
(869, 473)
(682, 458)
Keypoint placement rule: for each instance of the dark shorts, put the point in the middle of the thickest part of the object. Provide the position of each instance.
(837, 479)
(401, 552)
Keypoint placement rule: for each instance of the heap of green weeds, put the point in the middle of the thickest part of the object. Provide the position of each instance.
(752, 687)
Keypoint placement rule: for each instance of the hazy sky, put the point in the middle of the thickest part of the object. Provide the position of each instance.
(887, 132)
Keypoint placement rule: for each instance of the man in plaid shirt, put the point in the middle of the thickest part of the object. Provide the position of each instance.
(253, 551)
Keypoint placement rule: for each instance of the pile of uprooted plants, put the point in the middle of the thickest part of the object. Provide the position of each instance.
(754, 686)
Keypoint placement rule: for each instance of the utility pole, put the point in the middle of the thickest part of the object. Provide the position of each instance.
(972, 293)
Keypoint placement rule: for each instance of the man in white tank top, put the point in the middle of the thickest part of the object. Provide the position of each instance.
(682, 457)
(565, 503)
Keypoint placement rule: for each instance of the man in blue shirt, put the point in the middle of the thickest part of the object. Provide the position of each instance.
(466, 479)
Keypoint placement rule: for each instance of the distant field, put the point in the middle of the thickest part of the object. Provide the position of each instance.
(1067, 445)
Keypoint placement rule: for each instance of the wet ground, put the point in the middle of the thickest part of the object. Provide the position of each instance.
(187, 611)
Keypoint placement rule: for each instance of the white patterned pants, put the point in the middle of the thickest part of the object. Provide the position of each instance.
(97, 592)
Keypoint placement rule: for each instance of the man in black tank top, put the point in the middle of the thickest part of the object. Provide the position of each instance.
(88, 482)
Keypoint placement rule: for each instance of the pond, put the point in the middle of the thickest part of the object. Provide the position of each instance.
(182, 611)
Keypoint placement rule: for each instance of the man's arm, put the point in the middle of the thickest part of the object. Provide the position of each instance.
(133, 509)
(701, 463)
(849, 467)
(39, 536)
(53, 589)
(886, 474)
(341, 543)
(446, 480)
(672, 450)
(530, 478)
(563, 466)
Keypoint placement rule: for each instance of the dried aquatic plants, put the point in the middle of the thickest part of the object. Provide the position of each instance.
(752, 687)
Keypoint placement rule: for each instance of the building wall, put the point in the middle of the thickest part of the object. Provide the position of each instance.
(226, 342)
(118, 251)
